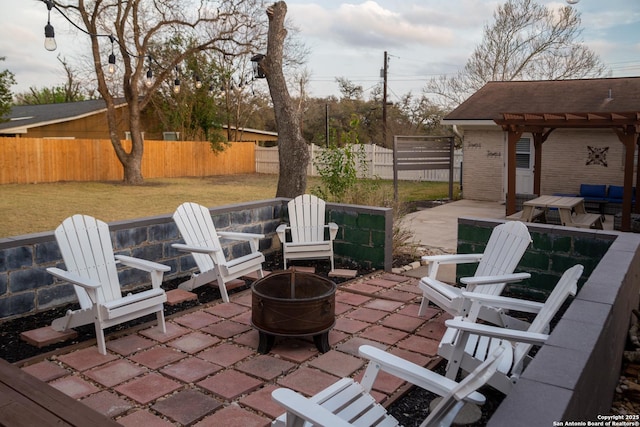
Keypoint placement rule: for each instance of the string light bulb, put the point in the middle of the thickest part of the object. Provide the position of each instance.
(49, 33)
(112, 57)
(112, 64)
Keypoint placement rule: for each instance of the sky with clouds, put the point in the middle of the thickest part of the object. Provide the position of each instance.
(348, 39)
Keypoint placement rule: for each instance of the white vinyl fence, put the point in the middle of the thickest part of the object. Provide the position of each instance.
(379, 164)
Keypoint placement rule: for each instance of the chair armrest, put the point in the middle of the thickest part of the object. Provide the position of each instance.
(429, 285)
(504, 302)
(73, 278)
(197, 249)
(306, 409)
(234, 235)
(435, 261)
(452, 258)
(415, 374)
(142, 264)
(281, 232)
(333, 230)
(486, 280)
(497, 332)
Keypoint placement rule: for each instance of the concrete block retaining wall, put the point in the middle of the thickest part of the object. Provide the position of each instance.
(554, 249)
(573, 376)
(26, 287)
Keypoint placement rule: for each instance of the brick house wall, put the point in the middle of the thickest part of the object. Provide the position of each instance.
(483, 165)
(564, 162)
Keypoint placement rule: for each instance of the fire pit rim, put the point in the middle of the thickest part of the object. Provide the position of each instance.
(332, 287)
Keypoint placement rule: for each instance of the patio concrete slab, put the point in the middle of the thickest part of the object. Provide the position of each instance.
(143, 418)
(178, 296)
(187, 406)
(116, 372)
(158, 357)
(130, 344)
(232, 416)
(437, 227)
(194, 342)
(46, 335)
(191, 370)
(107, 403)
(74, 386)
(230, 384)
(266, 367)
(46, 370)
(210, 353)
(197, 319)
(148, 387)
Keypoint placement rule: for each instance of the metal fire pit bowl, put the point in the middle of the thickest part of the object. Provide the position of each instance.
(291, 303)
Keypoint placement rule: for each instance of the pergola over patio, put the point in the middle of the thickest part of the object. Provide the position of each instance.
(626, 125)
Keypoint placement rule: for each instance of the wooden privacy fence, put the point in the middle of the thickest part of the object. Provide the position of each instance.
(35, 160)
(379, 162)
(411, 153)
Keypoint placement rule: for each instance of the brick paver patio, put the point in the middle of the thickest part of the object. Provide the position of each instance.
(206, 371)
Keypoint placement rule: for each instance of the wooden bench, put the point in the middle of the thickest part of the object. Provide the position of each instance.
(586, 220)
(538, 216)
(27, 401)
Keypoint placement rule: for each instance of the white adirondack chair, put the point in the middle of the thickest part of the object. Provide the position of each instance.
(85, 244)
(348, 403)
(506, 246)
(465, 344)
(304, 237)
(203, 241)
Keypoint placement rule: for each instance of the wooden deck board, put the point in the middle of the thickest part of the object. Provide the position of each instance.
(27, 401)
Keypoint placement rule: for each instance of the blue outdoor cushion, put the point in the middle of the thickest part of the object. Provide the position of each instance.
(616, 193)
(593, 191)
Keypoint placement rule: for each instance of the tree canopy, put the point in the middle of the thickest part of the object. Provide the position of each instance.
(526, 41)
(6, 81)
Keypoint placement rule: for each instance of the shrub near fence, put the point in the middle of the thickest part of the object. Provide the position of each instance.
(36, 160)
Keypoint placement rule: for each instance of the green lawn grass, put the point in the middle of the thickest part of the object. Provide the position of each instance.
(32, 208)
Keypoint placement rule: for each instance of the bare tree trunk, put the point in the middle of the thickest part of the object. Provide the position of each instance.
(293, 151)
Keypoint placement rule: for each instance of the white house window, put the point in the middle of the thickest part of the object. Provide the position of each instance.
(523, 153)
(127, 135)
(171, 136)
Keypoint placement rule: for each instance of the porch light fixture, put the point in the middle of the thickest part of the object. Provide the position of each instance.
(49, 33)
(258, 71)
(176, 82)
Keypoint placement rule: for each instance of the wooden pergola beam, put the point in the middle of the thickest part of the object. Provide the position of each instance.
(625, 124)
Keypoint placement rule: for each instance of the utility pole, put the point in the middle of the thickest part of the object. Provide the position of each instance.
(384, 99)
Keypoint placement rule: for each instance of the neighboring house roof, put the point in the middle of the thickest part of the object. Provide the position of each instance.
(23, 117)
(256, 131)
(550, 96)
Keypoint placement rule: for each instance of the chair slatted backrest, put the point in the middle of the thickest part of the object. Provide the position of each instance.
(197, 229)
(505, 248)
(445, 412)
(306, 218)
(566, 286)
(85, 244)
